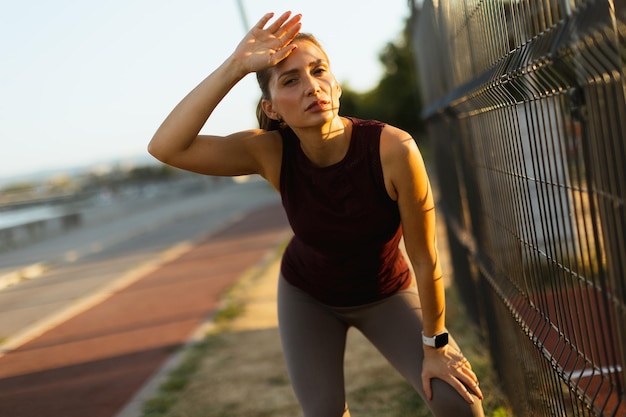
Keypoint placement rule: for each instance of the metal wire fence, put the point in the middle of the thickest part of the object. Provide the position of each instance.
(526, 111)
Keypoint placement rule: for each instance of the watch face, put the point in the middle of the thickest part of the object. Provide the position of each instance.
(441, 340)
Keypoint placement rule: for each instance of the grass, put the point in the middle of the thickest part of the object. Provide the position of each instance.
(179, 378)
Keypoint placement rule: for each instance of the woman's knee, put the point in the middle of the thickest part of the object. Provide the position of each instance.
(447, 401)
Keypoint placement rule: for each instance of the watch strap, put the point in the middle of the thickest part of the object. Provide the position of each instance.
(437, 341)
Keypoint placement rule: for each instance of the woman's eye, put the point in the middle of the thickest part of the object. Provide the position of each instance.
(319, 71)
(289, 81)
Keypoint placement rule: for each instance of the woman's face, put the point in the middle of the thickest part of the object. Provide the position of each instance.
(304, 92)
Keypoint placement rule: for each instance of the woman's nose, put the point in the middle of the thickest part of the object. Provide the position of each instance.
(312, 86)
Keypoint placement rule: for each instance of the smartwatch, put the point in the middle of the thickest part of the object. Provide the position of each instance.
(437, 341)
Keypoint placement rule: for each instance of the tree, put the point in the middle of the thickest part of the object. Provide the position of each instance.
(396, 99)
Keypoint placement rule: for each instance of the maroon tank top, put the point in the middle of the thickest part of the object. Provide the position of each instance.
(344, 251)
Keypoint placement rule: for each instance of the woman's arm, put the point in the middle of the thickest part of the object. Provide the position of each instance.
(407, 182)
(177, 142)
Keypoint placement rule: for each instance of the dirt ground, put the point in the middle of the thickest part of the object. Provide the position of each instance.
(242, 372)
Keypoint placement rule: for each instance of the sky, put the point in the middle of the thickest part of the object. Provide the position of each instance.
(87, 81)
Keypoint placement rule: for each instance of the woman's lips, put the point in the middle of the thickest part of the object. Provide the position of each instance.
(319, 105)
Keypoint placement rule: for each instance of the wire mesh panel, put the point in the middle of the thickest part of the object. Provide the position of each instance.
(526, 108)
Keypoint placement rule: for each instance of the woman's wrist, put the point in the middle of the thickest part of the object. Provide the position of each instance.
(436, 341)
(233, 67)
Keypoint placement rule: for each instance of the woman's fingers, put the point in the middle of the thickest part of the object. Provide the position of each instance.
(284, 30)
(462, 390)
(281, 31)
(456, 370)
(276, 28)
(283, 53)
(263, 47)
(263, 21)
(291, 28)
(477, 391)
(468, 378)
(276, 25)
(460, 378)
(465, 390)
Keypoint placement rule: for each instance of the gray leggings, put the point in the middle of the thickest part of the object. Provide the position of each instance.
(313, 337)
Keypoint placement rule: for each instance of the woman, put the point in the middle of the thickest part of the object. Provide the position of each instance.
(350, 188)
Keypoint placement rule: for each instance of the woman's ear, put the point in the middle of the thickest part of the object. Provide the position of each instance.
(268, 109)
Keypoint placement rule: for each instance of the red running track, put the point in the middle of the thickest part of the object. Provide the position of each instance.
(92, 364)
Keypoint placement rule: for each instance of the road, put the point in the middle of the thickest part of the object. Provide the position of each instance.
(115, 240)
(91, 330)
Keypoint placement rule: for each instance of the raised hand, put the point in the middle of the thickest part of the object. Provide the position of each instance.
(178, 142)
(264, 47)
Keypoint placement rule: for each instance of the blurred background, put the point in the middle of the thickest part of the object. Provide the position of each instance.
(518, 107)
(84, 85)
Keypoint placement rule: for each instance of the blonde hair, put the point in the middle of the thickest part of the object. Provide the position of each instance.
(263, 77)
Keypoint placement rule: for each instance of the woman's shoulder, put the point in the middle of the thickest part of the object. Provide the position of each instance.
(358, 122)
(401, 160)
(393, 140)
(265, 140)
(396, 143)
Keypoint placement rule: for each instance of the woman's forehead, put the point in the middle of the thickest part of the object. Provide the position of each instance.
(307, 51)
